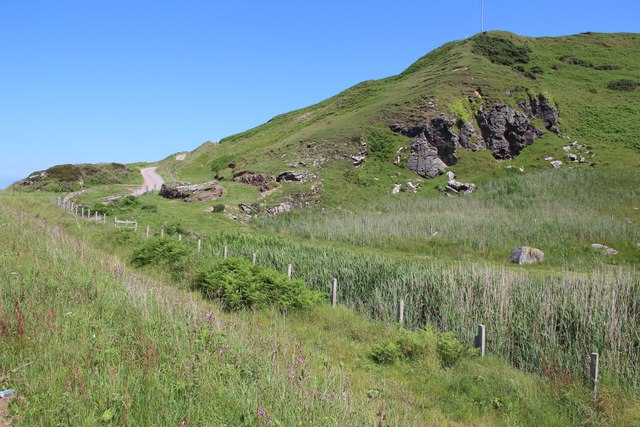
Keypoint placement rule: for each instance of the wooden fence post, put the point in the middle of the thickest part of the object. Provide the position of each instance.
(147, 234)
(104, 219)
(480, 340)
(179, 236)
(594, 372)
(289, 271)
(401, 311)
(334, 293)
(199, 246)
(82, 213)
(135, 227)
(253, 258)
(96, 217)
(226, 252)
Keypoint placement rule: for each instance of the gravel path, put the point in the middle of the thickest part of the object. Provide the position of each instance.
(152, 181)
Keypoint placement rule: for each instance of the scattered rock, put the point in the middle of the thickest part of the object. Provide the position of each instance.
(424, 158)
(180, 157)
(396, 188)
(248, 209)
(358, 159)
(456, 187)
(556, 164)
(278, 209)
(527, 255)
(262, 181)
(193, 193)
(606, 250)
(548, 159)
(231, 216)
(413, 187)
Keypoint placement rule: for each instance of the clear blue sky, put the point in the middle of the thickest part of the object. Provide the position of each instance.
(125, 81)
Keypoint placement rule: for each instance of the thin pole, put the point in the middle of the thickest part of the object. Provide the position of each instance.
(482, 16)
(334, 293)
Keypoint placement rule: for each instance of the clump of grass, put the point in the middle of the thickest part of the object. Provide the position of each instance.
(238, 285)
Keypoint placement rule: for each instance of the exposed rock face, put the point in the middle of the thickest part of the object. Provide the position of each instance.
(527, 255)
(506, 131)
(542, 109)
(193, 193)
(424, 158)
(469, 139)
(263, 181)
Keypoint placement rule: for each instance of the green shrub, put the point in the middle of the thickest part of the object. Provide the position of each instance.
(175, 228)
(149, 208)
(624, 85)
(408, 345)
(238, 285)
(386, 353)
(380, 145)
(451, 350)
(221, 163)
(218, 208)
(163, 252)
(500, 50)
(124, 236)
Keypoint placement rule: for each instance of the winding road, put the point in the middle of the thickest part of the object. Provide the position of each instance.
(152, 181)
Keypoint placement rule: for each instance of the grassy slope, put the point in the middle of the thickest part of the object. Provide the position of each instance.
(591, 113)
(86, 341)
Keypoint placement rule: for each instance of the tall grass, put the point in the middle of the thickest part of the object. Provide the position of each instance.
(561, 212)
(547, 323)
(84, 342)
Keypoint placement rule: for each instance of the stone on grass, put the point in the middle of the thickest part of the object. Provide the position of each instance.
(527, 255)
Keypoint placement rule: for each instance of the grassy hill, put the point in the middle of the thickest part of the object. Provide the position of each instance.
(580, 76)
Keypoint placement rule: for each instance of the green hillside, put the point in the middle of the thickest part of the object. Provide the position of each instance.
(582, 77)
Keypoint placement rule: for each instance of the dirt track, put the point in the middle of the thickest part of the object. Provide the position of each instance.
(152, 181)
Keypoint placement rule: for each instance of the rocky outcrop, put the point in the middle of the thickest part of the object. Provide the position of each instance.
(506, 131)
(542, 109)
(438, 132)
(262, 181)
(193, 193)
(469, 139)
(424, 158)
(527, 255)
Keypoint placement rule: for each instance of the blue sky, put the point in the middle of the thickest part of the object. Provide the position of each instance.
(125, 81)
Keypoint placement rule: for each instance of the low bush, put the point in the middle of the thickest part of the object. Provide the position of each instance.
(218, 208)
(623, 85)
(149, 208)
(500, 50)
(162, 252)
(238, 285)
(175, 228)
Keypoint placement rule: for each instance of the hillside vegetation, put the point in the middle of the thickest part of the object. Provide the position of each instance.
(86, 341)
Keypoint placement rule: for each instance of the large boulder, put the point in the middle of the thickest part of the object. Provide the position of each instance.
(424, 158)
(506, 131)
(527, 255)
(193, 193)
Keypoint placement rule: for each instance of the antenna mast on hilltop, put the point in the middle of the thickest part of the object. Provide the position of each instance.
(482, 16)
